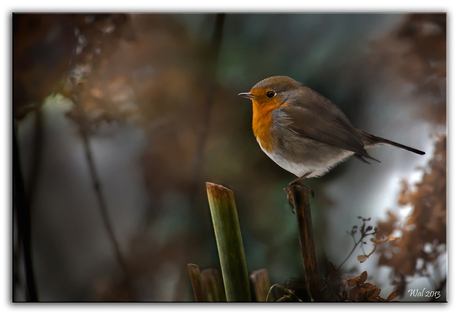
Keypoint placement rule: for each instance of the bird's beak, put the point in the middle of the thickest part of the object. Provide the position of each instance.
(246, 95)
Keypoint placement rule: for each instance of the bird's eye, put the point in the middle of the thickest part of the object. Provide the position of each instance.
(270, 94)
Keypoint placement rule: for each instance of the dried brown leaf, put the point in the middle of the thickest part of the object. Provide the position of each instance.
(362, 258)
(353, 282)
(374, 293)
(363, 277)
(392, 295)
(353, 292)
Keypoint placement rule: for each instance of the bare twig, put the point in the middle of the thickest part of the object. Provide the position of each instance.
(214, 48)
(289, 293)
(349, 255)
(84, 132)
(210, 66)
(365, 232)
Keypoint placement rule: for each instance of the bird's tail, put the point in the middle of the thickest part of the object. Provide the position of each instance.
(371, 140)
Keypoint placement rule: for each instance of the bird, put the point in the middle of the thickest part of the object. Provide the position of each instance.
(304, 132)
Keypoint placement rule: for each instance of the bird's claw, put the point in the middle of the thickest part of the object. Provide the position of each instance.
(288, 191)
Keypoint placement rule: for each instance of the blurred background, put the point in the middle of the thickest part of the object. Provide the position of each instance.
(120, 119)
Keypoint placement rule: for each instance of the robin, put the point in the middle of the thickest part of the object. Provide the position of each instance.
(304, 132)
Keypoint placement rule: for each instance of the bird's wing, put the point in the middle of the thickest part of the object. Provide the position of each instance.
(325, 123)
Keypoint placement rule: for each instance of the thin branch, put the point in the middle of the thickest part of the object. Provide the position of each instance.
(285, 290)
(365, 232)
(210, 86)
(84, 132)
(214, 48)
(349, 255)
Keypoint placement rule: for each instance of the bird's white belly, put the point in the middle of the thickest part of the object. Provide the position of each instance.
(316, 167)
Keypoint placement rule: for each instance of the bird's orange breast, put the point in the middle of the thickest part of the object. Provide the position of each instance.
(262, 121)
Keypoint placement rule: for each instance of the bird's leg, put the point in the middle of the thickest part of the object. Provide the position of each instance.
(298, 182)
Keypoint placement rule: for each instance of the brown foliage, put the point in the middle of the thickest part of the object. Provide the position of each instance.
(60, 53)
(42, 49)
(423, 234)
(336, 289)
(415, 54)
(362, 291)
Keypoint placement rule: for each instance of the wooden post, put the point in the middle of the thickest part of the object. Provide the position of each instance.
(307, 244)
